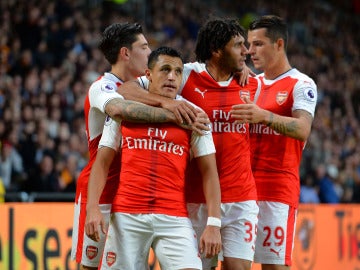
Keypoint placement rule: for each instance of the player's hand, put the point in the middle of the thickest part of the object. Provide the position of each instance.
(94, 221)
(184, 112)
(210, 241)
(200, 125)
(247, 113)
(244, 75)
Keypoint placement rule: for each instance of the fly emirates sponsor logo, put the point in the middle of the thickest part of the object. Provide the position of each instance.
(221, 123)
(156, 141)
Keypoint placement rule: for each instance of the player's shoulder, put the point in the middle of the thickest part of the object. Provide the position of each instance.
(194, 66)
(104, 83)
(305, 87)
(300, 76)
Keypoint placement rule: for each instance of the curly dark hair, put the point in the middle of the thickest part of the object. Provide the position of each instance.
(215, 34)
(116, 36)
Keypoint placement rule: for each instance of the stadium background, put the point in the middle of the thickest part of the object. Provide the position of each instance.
(48, 59)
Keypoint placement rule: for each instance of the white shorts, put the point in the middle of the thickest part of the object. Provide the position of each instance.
(275, 235)
(84, 250)
(238, 229)
(130, 237)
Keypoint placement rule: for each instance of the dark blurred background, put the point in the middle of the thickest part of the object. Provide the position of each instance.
(49, 58)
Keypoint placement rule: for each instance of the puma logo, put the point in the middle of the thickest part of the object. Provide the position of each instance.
(202, 93)
(276, 252)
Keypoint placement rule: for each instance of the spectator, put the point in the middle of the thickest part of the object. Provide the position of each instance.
(328, 192)
(308, 191)
(44, 177)
(11, 166)
(68, 174)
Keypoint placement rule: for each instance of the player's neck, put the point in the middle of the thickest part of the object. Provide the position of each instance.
(122, 74)
(276, 70)
(217, 73)
(117, 76)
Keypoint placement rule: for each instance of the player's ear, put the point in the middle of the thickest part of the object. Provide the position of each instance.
(217, 53)
(148, 74)
(280, 43)
(124, 52)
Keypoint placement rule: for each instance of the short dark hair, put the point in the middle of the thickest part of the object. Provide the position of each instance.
(275, 27)
(163, 50)
(116, 36)
(214, 35)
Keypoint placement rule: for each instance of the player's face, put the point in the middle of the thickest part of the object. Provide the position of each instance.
(262, 50)
(165, 77)
(234, 54)
(138, 56)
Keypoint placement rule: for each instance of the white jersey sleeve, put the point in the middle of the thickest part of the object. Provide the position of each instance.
(111, 134)
(305, 95)
(101, 92)
(202, 145)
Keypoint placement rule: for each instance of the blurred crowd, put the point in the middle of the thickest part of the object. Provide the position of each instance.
(49, 58)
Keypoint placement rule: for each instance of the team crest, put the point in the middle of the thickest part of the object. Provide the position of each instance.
(243, 94)
(281, 97)
(110, 258)
(91, 252)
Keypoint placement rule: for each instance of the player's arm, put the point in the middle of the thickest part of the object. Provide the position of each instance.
(108, 146)
(183, 111)
(298, 126)
(210, 240)
(133, 111)
(97, 181)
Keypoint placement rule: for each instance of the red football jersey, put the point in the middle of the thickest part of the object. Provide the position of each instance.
(276, 158)
(100, 92)
(231, 140)
(154, 160)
